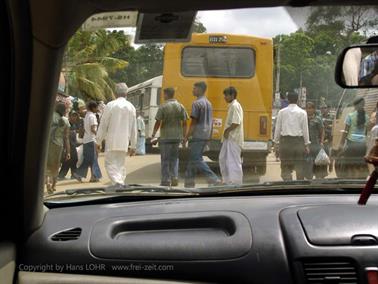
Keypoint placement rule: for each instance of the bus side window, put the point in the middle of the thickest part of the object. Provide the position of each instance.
(130, 98)
(147, 97)
(158, 95)
(135, 99)
(139, 100)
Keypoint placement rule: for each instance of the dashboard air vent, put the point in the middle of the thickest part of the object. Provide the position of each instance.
(319, 272)
(67, 235)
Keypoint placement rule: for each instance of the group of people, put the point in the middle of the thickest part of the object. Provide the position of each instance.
(66, 135)
(118, 127)
(359, 135)
(76, 140)
(301, 134)
(172, 118)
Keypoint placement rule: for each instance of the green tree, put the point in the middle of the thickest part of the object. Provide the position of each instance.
(296, 59)
(313, 52)
(334, 28)
(89, 62)
(346, 22)
(199, 27)
(145, 63)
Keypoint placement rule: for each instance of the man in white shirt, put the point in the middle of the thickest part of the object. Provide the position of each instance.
(118, 128)
(292, 137)
(141, 141)
(89, 143)
(230, 155)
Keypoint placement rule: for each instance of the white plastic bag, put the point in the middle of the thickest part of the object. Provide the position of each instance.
(322, 158)
(79, 140)
(80, 156)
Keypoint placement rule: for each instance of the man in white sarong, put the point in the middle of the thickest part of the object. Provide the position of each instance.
(230, 155)
(118, 128)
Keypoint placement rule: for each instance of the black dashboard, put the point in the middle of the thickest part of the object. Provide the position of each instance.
(259, 239)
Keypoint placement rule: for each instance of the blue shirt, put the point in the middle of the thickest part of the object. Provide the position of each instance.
(202, 111)
(356, 133)
(367, 65)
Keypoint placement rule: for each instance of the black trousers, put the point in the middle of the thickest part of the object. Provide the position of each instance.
(70, 164)
(292, 155)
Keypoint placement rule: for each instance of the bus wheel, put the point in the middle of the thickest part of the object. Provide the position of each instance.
(253, 172)
(213, 156)
(249, 174)
(261, 169)
(258, 169)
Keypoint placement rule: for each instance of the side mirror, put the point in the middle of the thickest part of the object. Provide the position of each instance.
(357, 67)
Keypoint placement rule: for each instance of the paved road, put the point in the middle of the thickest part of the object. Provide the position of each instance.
(146, 170)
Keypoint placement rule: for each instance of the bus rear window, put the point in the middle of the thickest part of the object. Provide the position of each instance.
(231, 62)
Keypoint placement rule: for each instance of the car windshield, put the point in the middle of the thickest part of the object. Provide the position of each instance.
(250, 99)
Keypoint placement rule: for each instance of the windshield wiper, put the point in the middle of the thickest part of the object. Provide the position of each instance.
(129, 189)
(324, 186)
(74, 192)
(341, 181)
(139, 192)
(152, 189)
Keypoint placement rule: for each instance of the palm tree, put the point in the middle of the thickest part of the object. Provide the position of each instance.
(88, 63)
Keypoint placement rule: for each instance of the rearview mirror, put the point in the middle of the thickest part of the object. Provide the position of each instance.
(357, 67)
(165, 27)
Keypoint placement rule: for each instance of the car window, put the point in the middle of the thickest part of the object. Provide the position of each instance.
(251, 99)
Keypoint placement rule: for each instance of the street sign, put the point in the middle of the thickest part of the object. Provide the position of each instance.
(111, 20)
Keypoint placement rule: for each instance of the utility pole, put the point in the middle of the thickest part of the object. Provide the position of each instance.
(300, 93)
(277, 97)
(278, 65)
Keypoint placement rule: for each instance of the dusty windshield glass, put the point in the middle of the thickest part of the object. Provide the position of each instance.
(248, 100)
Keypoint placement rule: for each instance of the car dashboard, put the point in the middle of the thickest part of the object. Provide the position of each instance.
(260, 239)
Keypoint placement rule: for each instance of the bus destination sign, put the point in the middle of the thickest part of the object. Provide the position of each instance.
(217, 39)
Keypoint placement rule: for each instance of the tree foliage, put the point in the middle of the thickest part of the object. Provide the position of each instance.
(145, 62)
(311, 54)
(89, 63)
(199, 27)
(95, 61)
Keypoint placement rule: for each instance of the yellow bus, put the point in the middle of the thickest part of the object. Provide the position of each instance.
(223, 60)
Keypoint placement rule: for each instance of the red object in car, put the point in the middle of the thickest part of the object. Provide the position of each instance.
(372, 275)
(371, 158)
